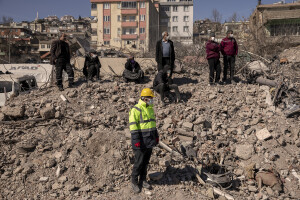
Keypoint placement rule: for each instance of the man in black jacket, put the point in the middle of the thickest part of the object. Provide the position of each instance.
(92, 66)
(163, 83)
(133, 71)
(165, 53)
(60, 57)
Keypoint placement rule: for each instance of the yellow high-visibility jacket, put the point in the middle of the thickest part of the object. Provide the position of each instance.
(142, 125)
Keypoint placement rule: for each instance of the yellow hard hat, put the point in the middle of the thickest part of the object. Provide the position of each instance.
(147, 92)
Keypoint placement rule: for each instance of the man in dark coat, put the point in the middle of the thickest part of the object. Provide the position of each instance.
(165, 53)
(163, 83)
(213, 57)
(229, 49)
(133, 71)
(60, 57)
(92, 66)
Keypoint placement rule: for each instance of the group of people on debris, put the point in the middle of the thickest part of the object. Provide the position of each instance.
(142, 122)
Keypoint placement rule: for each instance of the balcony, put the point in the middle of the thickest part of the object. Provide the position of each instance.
(129, 37)
(94, 13)
(132, 11)
(129, 24)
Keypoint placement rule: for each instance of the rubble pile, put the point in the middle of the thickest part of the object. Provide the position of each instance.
(76, 144)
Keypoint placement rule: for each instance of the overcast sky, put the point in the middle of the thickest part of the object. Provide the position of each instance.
(22, 10)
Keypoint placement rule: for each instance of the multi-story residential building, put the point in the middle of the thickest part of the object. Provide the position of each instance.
(125, 23)
(176, 17)
(51, 18)
(67, 18)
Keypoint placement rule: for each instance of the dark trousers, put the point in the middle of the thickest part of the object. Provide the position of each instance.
(214, 66)
(141, 161)
(229, 61)
(165, 61)
(93, 70)
(60, 65)
(163, 88)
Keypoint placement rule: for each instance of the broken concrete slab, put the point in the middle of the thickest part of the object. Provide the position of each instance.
(244, 151)
(14, 112)
(263, 134)
(47, 113)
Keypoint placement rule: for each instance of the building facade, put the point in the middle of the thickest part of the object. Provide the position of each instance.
(125, 24)
(276, 20)
(176, 17)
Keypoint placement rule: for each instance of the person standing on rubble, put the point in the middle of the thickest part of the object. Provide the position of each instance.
(229, 49)
(133, 71)
(60, 57)
(213, 56)
(144, 137)
(165, 53)
(164, 83)
(92, 66)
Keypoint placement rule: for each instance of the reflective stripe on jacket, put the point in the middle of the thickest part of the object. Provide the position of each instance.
(142, 125)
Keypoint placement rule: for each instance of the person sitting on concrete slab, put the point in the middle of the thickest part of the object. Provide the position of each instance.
(92, 66)
(133, 71)
(163, 83)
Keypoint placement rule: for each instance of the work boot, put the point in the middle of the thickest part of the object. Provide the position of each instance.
(60, 88)
(135, 187)
(146, 185)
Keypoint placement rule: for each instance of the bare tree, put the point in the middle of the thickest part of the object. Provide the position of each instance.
(233, 18)
(6, 19)
(216, 16)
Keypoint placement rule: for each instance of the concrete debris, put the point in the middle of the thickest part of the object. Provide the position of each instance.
(244, 151)
(263, 134)
(76, 143)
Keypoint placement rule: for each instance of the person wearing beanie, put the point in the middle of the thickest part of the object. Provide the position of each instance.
(164, 83)
(213, 57)
(229, 49)
(92, 66)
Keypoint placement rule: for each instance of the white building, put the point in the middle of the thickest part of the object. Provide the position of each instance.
(176, 17)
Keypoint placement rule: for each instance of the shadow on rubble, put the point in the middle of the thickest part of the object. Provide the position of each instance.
(174, 176)
(184, 81)
(185, 96)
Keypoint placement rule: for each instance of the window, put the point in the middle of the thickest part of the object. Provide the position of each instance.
(106, 42)
(119, 31)
(43, 46)
(175, 8)
(106, 18)
(142, 17)
(132, 31)
(142, 5)
(106, 30)
(119, 18)
(48, 46)
(175, 18)
(124, 18)
(165, 8)
(175, 28)
(142, 41)
(94, 6)
(142, 30)
(129, 4)
(106, 6)
(185, 29)
(186, 18)
(132, 18)
(186, 8)
(165, 20)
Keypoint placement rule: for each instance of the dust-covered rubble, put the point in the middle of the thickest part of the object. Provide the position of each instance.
(80, 148)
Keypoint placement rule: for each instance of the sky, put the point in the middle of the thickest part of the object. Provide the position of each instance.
(26, 10)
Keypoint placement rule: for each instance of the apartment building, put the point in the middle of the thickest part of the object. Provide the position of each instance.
(176, 17)
(125, 24)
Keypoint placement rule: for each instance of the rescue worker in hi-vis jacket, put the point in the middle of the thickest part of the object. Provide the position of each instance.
(144, 137)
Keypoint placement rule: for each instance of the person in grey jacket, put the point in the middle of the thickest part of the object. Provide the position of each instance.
(165, 53)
